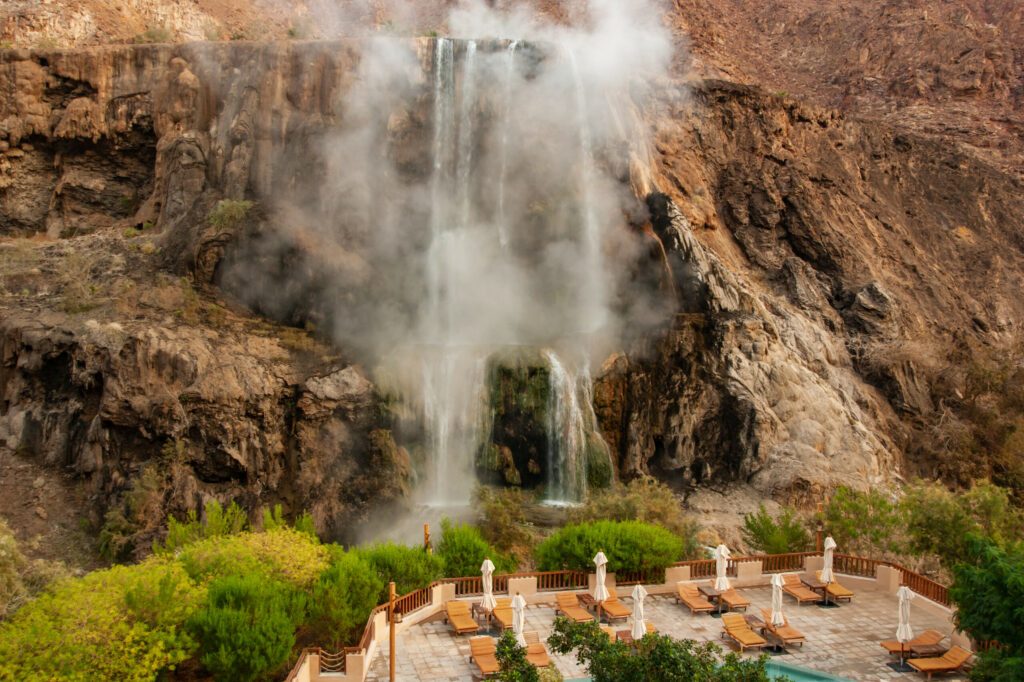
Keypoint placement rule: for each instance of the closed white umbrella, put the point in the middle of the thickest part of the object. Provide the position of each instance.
(904, 633)
(777, 617)
(639, 628)
(487, 571)
(826, 570)
(600, 590)
(519, 618)
(721, 564)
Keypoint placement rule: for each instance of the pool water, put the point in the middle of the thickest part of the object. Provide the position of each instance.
(798, 674)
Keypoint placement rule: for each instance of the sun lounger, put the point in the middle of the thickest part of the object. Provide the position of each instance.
(458, 614)
(570, 606)
(608, 630)
(503, 612)
(614, 609)
(926, 638)
(693, 599)
(482, 651)
(950, 662)
(733, 600)
(736, 628)
(651, 630)
(786, 632)
(796, 589)
(536, 652)
(837, 591)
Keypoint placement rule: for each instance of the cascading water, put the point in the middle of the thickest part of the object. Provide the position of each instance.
(505, 125)
(464, 246)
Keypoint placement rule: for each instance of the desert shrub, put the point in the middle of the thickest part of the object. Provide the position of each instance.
(655, 657)
(988, 589)
(123, 623)
(939, 521)
(512, 658)
(342, 599)
(217, 521)
(642, 499)
(868, 523)
(137, 513)
(411, 568)
(463, 549)
(246, 629)
(229, 214)
(21, 578)
(283, 554)
(155, 34)
(273, 519)
(504, 523)
(629, 546)
(780, 535)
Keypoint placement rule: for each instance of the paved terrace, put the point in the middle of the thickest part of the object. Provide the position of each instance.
(842, 641)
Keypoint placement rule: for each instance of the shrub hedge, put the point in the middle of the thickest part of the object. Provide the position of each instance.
(629, 546)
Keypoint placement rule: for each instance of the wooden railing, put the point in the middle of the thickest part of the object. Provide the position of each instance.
(855, 565)
(782, 563)
(413, 601)
(926, 587)
(707, 568)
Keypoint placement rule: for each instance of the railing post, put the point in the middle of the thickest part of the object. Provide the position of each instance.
(391, 631)
(426, 539)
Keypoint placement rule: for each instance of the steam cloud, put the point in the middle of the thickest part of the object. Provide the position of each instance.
(472, 199)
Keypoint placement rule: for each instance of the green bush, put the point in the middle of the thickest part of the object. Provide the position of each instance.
(512, 658)
(342, 599)
(410, 567)
(21, 578)
(229, 214)
(779, 535)
(642, 499)
(629, 546)
(122, 623)
(503, 521)
(247, 627)
(284, 554)
(655, 657)
(216, 521)
(463, 549)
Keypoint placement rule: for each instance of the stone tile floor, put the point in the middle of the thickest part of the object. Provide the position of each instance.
(842, 641)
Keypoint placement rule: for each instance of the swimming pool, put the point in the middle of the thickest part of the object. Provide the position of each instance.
(798, 674)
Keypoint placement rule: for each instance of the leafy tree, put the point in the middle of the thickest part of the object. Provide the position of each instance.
(940, 522)
(512, 658)
(284, 554)
(273, 518)
(988, 589)
(342, 599)
(629, 546)
(410, 567)
(779, 535)
(869, 523)
(655, 657)
(247, 628)
(463, 549)
(642, 499)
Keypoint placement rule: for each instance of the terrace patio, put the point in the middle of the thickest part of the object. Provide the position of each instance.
(841, 641)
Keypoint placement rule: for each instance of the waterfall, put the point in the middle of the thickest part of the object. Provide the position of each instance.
(444, 131)
(505, 124)
(571, 425)
(593, 287)
(464, 163)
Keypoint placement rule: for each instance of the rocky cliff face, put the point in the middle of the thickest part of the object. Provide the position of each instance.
(808, 259)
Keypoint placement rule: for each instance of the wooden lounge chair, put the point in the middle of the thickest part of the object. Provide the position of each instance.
(608, 630)
(733, 600)
(503, 612)
(482, 651)
(926, 638)
(786, 632)
(570, 606)
(458, 614)
(693, 599)
(736, 628)
(613, 609)
(536, 652)
(796, 589)
(950, 662)
(836, 591)
(651, 630)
